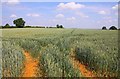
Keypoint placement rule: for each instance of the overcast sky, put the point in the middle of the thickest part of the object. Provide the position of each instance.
(91, 15)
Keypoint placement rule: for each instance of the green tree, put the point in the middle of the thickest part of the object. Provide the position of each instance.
(19, 22)
(104, 28)
(7, 26)
(57, 25)
(112, 28)
(61, 26)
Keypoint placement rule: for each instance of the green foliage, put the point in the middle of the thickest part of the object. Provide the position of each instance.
(0, 62)
(59, 26)
(112, 28)
(56, 64)
(95, 48)
(12, 59)
(99, 53)
(7, 26)
(19, 22)
(104, 28)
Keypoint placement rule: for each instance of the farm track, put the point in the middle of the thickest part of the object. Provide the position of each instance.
(31, 66)
(82, 68)
(32, 69)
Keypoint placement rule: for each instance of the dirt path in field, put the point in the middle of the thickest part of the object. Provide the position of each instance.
(31, 65)
(82, 68)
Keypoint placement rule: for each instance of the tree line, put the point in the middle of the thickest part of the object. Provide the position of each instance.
(20, 23)
(111, 28)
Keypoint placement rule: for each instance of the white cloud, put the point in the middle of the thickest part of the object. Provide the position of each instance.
(71, 18)
(102, 12)
(82, 15)
(70, 5)
(59, 16)
(115, 7)
(13, 2)
(33, 15)
(13, 16)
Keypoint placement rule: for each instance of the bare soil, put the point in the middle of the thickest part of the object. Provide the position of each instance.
(31, 66)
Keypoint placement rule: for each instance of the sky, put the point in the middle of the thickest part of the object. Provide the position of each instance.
(85, 15)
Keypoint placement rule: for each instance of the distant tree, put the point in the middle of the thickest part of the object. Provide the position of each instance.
(7, 26)
(104, 28)
(112, 28)
(27, 26)
(61, 26)
(19, 22)
(57, 25)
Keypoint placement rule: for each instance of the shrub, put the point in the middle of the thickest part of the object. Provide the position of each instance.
(104, 28)
(112, 28)
(7, 26)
